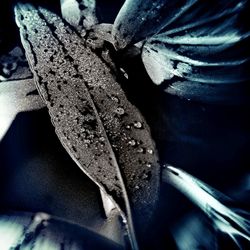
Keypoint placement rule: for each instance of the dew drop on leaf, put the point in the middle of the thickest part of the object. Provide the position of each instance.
(132, 142)
(137, 125)
(120, 111)
(150, 151)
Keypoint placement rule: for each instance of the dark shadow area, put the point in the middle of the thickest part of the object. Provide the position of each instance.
(38, 175)
(107, 10)
(210, 141)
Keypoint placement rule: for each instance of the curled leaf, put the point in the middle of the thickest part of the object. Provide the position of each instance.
(204, 45)
(101, 130)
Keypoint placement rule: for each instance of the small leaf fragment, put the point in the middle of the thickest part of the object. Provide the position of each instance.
(81, 14)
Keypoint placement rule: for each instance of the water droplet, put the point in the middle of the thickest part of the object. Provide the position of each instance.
(120, 111)
(149, 165)
(102, 138)
(91, 136)
(128, 127)
(137, 187)
(137, 125)
(132, 142)
(145, 176)
(150, 151)
(87, 141)
(114, 98)
(140, 150)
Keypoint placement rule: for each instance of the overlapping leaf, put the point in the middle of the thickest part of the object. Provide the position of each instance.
(188, 41)
(138, 20)
(230, 220)
(102, 131)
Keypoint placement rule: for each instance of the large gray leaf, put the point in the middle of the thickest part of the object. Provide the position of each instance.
(102, 131)
(14, 66)
(138, 20)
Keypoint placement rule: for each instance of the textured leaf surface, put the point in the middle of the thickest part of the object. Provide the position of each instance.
(138, 20)
(80, 14)
(101, 130)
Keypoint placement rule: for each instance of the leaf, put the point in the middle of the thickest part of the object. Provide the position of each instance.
(209, 93)
(101, 130)
(227, 219)
(70, 11)
(209, 50)
(140, 19)
(23, 230)
(80, 14)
